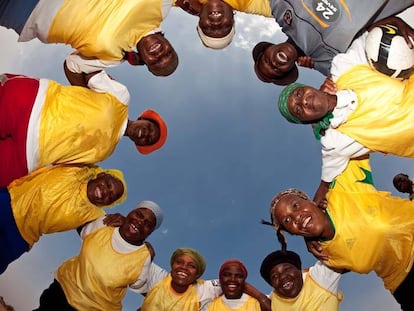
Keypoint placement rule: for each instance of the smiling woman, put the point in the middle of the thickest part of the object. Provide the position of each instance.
(179, 290)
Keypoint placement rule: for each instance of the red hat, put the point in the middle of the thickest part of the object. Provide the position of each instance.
(154, 117)
(232, 262)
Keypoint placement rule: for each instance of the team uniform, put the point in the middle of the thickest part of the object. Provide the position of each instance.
(322, 29)
(48, 200)
(101, 30)
(373, 230)
(50, 123)
(160, 296)
(244, 303)
(319, 292)
(376, 103)
(98, 278)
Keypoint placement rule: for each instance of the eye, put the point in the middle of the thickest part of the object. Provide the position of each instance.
(295, 205)
(287, 220)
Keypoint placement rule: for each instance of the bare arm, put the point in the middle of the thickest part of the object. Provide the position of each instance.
(265, 303)
(78, 79)
(320, 194)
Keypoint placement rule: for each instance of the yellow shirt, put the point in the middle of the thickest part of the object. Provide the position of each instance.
(312, 297)
(250, 305)
(259, 7)
(52, 199)
(104, 28)
(78, 125)
(162, 297)
(97, 279)
(383, 118)
(373, 230)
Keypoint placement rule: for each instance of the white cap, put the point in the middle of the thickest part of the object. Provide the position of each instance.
(216, 43)
(154, 207)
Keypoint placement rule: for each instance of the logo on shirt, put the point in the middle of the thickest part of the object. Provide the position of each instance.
(326, 11)
(287, 17)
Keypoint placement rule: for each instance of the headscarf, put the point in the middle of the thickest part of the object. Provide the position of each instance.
(196, 256)
(283, 102)
(234, 262)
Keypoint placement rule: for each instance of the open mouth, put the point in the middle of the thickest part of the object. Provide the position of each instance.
(281, 57)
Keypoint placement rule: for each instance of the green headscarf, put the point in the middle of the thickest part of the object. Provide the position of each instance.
(283, 102)
(201, 263)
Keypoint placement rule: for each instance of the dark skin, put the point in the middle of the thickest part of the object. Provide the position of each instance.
(403, 183)
(104, 189)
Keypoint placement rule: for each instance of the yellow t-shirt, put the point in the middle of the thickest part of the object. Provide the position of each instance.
(78, 125)
(373, 230)
(259, 7)
(97, 279)
(52, 199)
(104, 28)
(384, 116)
(312, 297)
(218, 305)
(163, 297)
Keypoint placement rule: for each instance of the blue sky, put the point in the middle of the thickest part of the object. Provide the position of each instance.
(227, 154)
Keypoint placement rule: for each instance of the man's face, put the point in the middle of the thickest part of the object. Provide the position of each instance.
(232, 280)
(216, 18)
(286, 280)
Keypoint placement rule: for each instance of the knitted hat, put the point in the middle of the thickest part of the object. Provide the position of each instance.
(200, 262)
(216, 43)
(234, 262)
(153, 207)
(154, 117)
(278, 257)
(286, 79)
(283, 102)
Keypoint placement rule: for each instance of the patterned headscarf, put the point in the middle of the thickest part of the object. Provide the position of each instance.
(200, 262)
(283, 102)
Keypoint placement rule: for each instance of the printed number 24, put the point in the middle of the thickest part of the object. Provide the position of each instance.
(326, 12)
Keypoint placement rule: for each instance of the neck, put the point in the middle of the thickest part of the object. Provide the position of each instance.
(332, 102)
(179, 288)
(329, 231)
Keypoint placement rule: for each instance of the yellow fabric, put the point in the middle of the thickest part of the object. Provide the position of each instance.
(162, 297)
(250, 305)
(97, 279)
(312, 297)
(383, 119)
(78, 125)
(373, 230)
(104, 28)
(52, 199)
(258, 7)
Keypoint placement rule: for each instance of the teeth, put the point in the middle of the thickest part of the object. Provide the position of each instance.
(287, 284)
(215, 14)
(182, 274)
(306, 221)
(98, 193)
(140, 133)
(135, 228)
(282, 57)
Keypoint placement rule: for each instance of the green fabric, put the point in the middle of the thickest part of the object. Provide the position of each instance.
(201, 263)
(322, 125)
(283, 100)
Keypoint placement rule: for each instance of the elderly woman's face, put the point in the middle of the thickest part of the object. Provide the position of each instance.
(286, 279)
(216, 18)
(308, 104)
(299, 216)
(183, 271)
(104, 190)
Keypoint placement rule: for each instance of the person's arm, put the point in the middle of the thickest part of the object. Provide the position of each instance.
(114, 220)
(315, 248)
(320, 195)
(76, 79)
(155, 275)
(326, 277)
(265, 302)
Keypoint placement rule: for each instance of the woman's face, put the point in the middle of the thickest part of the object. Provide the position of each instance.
(104, 190)
(183, 272)
(300, 217)
(216, 18)
(286, 279)
(308, 104)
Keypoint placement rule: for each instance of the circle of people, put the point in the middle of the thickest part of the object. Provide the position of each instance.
(44, 151)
